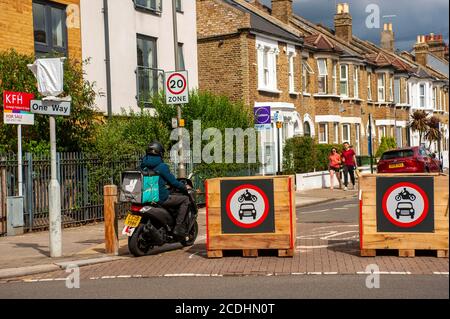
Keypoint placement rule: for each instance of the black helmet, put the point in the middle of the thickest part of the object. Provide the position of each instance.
(155, 148)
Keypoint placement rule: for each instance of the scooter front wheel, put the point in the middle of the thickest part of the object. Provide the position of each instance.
(137, 245)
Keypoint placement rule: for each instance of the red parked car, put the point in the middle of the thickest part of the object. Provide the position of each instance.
(415, 159)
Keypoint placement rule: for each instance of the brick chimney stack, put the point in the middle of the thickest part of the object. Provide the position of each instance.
(282, 10)
(343, 22)
(387, 37)
(436, 44)
(421, 50)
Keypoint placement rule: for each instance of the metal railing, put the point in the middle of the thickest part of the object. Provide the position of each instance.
(149, 81)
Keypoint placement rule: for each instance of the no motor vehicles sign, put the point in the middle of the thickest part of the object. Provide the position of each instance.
(176, 87)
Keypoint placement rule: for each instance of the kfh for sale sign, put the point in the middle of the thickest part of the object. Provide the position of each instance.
(16, 108)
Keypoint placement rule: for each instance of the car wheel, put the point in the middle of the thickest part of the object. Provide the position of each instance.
(412, 216)
(398, 216)
(254, 216)
(240, 216)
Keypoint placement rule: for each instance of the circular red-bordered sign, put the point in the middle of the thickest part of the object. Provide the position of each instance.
(422, 200)
(260, 194)
(182, 78)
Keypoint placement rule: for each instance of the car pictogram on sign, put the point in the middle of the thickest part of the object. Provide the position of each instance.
(247, 210)
(405, 209)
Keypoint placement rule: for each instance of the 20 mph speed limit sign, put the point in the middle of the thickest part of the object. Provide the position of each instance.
(176, 87)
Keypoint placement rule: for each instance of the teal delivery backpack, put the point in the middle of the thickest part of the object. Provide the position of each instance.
(139, 187)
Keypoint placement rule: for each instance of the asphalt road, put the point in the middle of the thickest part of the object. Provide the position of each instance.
(257, 287)
(334, 215)
(339, 211)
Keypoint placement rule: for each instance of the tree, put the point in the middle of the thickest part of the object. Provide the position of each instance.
(433, 133)
(419, 122)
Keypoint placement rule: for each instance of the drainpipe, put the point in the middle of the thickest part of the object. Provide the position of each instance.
(107, 59)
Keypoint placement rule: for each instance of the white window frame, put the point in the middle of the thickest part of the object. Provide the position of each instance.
(422, 97)
(407, 97)
(335, 64)
(322, 75)
(381, 93)
(434, 97)
(397, 94)
(383, 130)
(346, 126)
(369, 86)
(398, 138)
(343, 80)
(323, 141)
(391, 89)
(291, 72)
(336, 132)
(306, 76)
(267, 51)
(356, 81)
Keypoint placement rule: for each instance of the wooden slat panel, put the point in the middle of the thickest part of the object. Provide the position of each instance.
(251, 241)
(405, 241)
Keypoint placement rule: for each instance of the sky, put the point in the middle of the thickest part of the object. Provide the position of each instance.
(408, 17)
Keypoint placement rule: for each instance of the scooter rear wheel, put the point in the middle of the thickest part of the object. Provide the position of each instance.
(192, 236)
(137, 245)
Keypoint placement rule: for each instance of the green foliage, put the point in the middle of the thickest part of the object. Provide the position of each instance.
(322, 153)
(299, 155)
(303, 154)
(73, 133)
(213, 112)
(387, 143)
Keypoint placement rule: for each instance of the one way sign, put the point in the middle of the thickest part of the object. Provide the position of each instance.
(50, 107)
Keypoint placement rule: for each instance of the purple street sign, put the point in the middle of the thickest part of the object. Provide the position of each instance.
(262, 115)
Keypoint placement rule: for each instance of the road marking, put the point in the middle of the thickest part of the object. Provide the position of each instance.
(315, 211)
(440, 273)
(324, 246)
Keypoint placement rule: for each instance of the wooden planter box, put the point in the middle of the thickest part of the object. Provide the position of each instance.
(403, 232)
(264, 219)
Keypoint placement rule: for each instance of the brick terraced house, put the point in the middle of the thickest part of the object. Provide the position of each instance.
(325, 82)
(41, 27)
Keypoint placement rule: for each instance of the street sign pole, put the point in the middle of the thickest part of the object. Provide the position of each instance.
(19, 159)
(181, 166)
(54, 198)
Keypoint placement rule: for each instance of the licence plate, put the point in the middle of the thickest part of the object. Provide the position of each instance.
(133, 220)
(396, 165)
